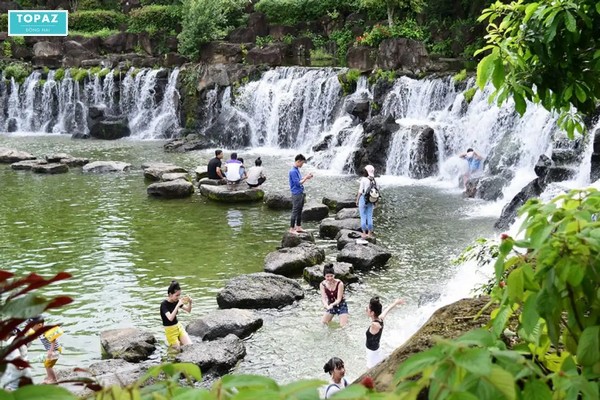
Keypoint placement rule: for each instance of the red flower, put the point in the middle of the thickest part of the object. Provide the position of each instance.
(504, 236)
(368, 382)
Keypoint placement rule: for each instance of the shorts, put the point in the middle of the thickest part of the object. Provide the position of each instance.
(51, 362)
(173, 333)
(374, 357)
(341, 308)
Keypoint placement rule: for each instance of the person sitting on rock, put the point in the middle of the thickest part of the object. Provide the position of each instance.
(474, 165)
(233, 170)
(256, 175)
(243, 175)
(214, 167)
(332, 296)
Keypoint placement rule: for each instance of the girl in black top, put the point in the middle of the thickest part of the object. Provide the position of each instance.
(169, 308)
(374, 355)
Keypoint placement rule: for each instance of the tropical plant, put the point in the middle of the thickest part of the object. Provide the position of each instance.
(155, 19)
(545, 52)
(395, 7)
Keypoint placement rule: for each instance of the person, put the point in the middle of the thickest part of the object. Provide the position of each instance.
(13, 374)
(169, 308)
(242, 169)
(365, 208)
(297, 189)
(374, 355)
(335, 368)
(256, 175)
(214, 167)
(51, 344)
(233, 170)
(474, 164)
(332, 296)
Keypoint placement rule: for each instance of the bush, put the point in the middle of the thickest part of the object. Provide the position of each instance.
(161, 2)
(155, 18)
(343, 38)
(86, 5)
(19, 71)
(93, 21)
(102, 33)
(291, 12)
(460, 77)
(4, 23)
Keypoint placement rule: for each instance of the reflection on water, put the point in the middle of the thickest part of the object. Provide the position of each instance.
(123, 249)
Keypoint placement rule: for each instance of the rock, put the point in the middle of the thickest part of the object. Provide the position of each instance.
(375, 143)
(189, 143)
(293, 240)
(291, 261)
(75, 161)
(509, 212)
(26, 165)
(9, 156)
(346, 236)
(565, 156)
(343, 271)
(278, 201)
(241, 323)
(47, 49)
(201, 172)
(223, 194)
(358, 107)
(218, 52)
(300, 51)
(329, 228)
(211, 182)
(336, 204)
(505, 155)
(129, 344)
(51, 168)
(176, 189)
(12, 125)
(75, 53)
(278, 32)
(173, 176)
(55, 158)
(323, 144)
(110, 129)
(242, 34)
(259, 290)
(542, 166)
(314, 211)
(258, 21)
(346, 213)
(424, 156)
(559, 174)
(490, 187)
(362, 58)
(471, 187)
(401, 53)
(273, 55)
(216, 357)
(106, 166)
(595, 168)
(364, 256)
(173, 59)
(449, 322)
(155, 171)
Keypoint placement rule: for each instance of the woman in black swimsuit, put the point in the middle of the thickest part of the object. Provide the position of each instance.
(374, 355)
(332, 296)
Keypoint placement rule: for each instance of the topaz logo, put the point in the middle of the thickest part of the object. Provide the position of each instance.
(38, 23)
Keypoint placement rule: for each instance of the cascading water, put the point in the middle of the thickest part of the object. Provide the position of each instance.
(61, 106)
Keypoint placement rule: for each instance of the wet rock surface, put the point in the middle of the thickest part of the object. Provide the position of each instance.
(343, 271)
(219, 324)
(129, 344)
(290, 261)
(259, 290)
(364, 256)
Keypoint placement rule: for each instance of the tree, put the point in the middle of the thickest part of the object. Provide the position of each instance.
(545, 52)
(392, 6)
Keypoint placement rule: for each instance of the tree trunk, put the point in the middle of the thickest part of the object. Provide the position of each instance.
(390, 15)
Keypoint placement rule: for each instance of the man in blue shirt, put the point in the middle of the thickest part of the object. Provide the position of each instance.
(297, 189)
(474, 164)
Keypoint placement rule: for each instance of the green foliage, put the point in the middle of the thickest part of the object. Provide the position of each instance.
(292, 12)
(204, 21)
(394, 7)
(7, 49)
(59, 74)
(545, 52)
(317, 40)
(78, 74)
(288, 39)
(102, 33)
(348, 80)
(408, 28)
(3, 22)
(343, 38)
(380, 74)
(548, 284)
(94, 21)
(161, 2)
(99, 71)
(20, 40)
(469, 94)
(262, 41)
(155, 19)
(320, 58)
(84, 5)
(460, 77)
(442, 47)
(17, 70)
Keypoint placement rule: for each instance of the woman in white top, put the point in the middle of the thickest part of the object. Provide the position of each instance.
(365, 208)
(335, 368)
(256, 175)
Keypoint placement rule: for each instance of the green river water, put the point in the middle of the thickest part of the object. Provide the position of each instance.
(123, 248)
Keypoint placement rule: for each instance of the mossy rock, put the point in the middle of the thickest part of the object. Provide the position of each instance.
(225, 194)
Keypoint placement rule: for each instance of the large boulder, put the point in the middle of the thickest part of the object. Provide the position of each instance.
(329, 228)
(176, 189)
(336, 204)
(273, 55)
(401, 53)
(214, 358)
(278, 201)
(219, 52)
(343, 271)
(291, 261)
(376, 141)
(189, 143)
(75, 53)
(314, 211)
(50, 168)
(358, 107)
(155, 171)
(106, 166)
(110, 129)
(346, 236)
(509, 213)
(9, 156)
(364, 256)
(346, 213)
(129, 344)
(362, 58)
(259, 290)
(224, 194)
(295, 239)
(26, 165)
(560, 174)
(490, 187)
(201, 172)
(241, 323)
(47, 49)
(173, 176)
(424, 155)
(449, 322)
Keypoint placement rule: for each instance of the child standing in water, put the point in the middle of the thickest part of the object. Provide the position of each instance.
(332, 296)
(375, 330)
(50, 342)
(176, 335)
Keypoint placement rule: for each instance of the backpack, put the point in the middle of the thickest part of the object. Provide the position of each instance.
(372, 195)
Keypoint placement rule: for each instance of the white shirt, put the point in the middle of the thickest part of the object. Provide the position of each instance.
(333, 387)
(12, 374)
(365, 184)
(253, 174)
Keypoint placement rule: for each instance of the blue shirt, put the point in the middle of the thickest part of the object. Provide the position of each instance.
(474, 163)
(295, 177)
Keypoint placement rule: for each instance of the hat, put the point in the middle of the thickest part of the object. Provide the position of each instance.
(35, 320)
(370, 170)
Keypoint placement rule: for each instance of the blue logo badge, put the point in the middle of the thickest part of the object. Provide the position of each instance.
(38, 22)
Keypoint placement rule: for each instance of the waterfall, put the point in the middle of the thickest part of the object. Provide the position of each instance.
(49, 105)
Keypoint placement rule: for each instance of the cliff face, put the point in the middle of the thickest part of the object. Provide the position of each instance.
(448, 322)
